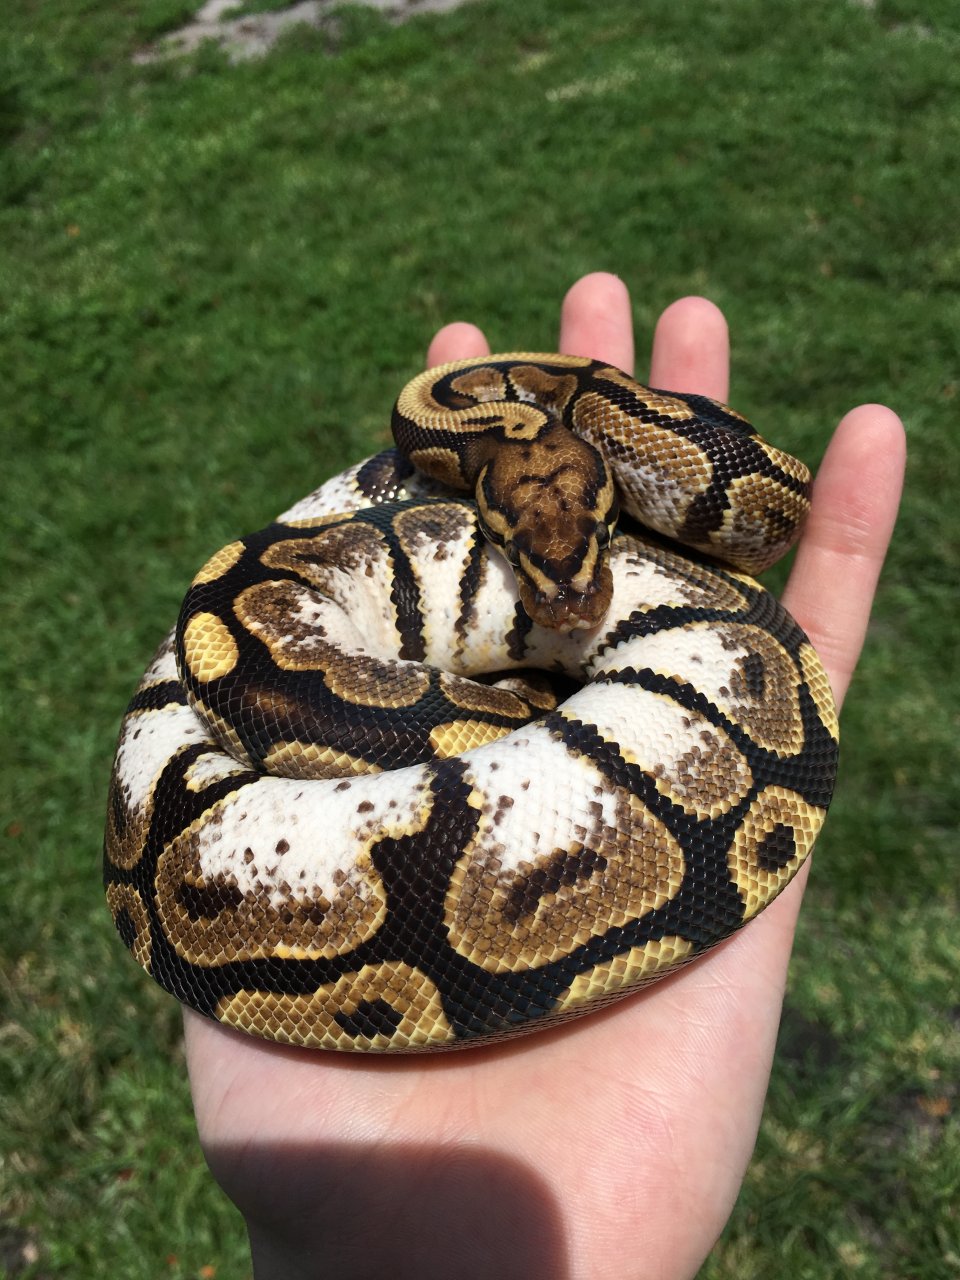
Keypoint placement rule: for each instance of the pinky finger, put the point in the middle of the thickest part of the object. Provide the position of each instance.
(854, 508)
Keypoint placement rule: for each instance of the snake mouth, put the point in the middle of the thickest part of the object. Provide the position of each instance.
(566, 608)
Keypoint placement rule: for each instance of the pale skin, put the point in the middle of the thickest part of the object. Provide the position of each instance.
(612, 1147)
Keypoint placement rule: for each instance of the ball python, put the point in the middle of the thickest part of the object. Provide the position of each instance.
(452, 751)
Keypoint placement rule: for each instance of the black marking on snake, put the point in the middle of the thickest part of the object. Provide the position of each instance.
(712, 412)
(563, 868)
(664, 617)
(370, 1019)
(378, 735)
(821, 755)
(206, 902)
(382, 477)
(755, 675)
(733, 451)
(126, 927)
(705, 513)
(117, 810)
(472, 579)
(487, 499)
(548, 479)
(415, 869)
(405, 594)
(154, 697)
(518, 633)
(777, 848)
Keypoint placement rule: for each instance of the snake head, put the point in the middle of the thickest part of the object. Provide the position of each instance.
(560, 600)
(551, 508)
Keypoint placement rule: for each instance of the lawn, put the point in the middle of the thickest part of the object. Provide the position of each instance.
(216, 277)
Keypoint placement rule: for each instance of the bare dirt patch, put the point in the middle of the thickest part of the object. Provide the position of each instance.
(254, 35)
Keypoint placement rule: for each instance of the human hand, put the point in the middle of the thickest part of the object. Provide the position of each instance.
(612, 1146)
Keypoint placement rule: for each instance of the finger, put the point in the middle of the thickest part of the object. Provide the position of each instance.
(854, 508)
(457, 341)
(691, 349)
(596, 320)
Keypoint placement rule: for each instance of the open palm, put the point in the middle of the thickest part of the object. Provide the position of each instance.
(612, 1146)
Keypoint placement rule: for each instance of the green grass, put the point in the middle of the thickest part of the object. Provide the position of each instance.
(215, 279)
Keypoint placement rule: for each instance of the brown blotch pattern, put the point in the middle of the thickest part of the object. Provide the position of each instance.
(707, 776)
(269, 612)
(210, 922)
(764, 690)
(553, 391)
(508, 919)
(332, 559)
(471, 695)
(763, 521)
(386, 1007)
(434, 528)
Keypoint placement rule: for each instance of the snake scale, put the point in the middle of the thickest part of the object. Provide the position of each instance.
(447, 753)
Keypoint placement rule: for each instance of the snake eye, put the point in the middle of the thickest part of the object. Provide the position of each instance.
(602, 535)
(493, 538)
(512, 554)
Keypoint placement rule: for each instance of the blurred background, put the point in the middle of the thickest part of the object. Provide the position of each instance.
(219, 262)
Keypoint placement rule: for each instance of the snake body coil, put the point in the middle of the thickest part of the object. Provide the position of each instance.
(419, 770)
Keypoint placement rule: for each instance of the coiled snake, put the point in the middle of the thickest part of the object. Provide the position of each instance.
(395, 785)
